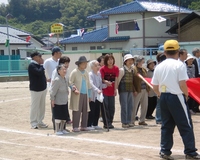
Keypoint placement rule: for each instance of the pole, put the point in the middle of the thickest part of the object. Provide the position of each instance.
(8, 44)
(179, 24)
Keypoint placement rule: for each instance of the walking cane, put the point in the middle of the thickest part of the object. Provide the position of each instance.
(105, 116)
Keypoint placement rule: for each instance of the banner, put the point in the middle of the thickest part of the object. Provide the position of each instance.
(193, 85)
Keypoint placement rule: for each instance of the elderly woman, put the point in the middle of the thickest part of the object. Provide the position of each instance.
(141, 94)
(58, 94)
(126, 89)
(80, 94)
(97, 85)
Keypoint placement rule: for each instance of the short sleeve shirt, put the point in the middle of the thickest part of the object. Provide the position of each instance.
(168, 74)
(109, 74)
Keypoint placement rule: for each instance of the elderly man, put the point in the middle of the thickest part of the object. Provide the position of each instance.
(38, 91)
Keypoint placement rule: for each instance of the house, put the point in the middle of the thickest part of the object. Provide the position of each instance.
(18, 39)
(129, 26)
(189, 28)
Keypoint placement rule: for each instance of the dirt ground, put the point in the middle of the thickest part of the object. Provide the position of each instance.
(19, 142)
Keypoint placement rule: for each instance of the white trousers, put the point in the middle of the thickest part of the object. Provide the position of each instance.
(141, 98)
(37, 110)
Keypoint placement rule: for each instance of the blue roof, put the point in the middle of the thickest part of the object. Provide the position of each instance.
(99, 35)
(143, 6)
(96, 16)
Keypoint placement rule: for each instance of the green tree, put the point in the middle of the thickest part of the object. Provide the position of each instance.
(195, 6)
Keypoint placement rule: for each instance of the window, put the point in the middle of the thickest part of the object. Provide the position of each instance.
(17, 52)
(13, 52)
(1, 52)
(99, 47)
(171, 21)
(74, 48)
(92, 47)
(127, 25)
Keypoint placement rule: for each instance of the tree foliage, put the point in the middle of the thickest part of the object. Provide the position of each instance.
(36, 16)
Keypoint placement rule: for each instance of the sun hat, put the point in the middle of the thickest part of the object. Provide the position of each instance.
(81, 60)
(171, 45)
(128, 56)
(150, 61)
(189, 56)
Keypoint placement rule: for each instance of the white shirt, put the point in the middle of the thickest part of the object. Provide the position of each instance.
(49, 65)
(168, 74)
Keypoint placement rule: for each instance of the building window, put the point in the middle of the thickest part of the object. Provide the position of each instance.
(99, 47)
(17, 51)
(13, 52)
(92, 47)
(1, 52)
(171, 21)
(127, 25)
(74, 48)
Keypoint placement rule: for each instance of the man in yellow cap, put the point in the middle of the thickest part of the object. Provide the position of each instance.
(169, 83)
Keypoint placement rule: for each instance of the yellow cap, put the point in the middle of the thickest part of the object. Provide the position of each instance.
(171, 45)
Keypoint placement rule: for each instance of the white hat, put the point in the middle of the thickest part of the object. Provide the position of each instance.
(128, 56)
(189, 56)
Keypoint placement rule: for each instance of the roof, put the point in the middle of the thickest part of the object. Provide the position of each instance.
(13, 39)
(96, 16)
(140, 6)
(14, 31)
(188, 18)
(99, 35)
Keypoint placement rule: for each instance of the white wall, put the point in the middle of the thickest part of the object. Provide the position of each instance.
(101, 23)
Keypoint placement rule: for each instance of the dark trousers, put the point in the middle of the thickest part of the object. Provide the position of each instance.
(53, 119)
(94, 113)
(109, 104)
(152, 102)
(193, 105)
(174, 111)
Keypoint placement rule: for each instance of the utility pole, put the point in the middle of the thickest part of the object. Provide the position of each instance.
(179, 23)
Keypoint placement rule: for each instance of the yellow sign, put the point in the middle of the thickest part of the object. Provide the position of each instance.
(57, 28)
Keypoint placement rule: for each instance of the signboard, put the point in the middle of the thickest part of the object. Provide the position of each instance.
(57, 28)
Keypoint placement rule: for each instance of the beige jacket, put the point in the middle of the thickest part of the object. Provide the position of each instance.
(75, 78)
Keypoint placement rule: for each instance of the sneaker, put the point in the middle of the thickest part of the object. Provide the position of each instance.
(91, 128)
(143, 123)
(59, 133)
(111, 126)
(131, 124)
(164, 156)
(85, 129)
(150, 117)
(42, 125)
(34, 127)
(192, 112)
(97, 127)
(76, 130)
(65, 132)
(125, 126)
(192, 157)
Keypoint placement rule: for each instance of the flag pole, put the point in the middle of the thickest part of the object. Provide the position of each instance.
(142, 78)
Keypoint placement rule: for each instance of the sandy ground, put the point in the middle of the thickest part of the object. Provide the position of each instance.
(18, 141)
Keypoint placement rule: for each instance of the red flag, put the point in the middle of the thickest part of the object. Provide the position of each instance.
(116, 28)
(193, 85)
(194, 88)
(28, 38)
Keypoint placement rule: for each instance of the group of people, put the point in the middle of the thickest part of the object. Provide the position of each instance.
(104, 80)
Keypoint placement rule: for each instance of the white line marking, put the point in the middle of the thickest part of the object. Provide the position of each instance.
(64, 150)
(88, 140)
(16, 99)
